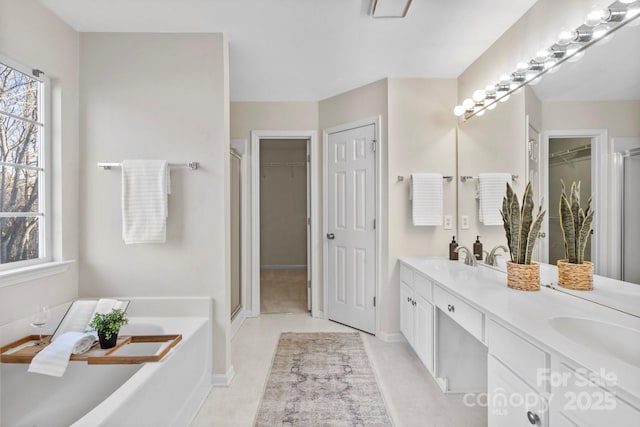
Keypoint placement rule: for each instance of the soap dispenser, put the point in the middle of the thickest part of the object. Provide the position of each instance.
(453, 255)
(477, 249)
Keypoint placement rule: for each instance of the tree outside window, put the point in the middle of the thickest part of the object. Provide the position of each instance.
(21, 167)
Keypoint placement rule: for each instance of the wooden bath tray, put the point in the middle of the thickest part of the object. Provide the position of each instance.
(95, 356)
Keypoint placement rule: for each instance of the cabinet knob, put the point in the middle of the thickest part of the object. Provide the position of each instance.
(451, 308)
(533, 418)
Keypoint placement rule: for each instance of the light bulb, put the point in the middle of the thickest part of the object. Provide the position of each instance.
(626, 1)
(530, 76)
(565, 37)
(505, 98)
(459, 110)
(468, 104)
(504, 78)
(479, 95)
(541, 55)
(522, 66)
(632, 12)
(595, 17)
(480, 113)
(492, 105)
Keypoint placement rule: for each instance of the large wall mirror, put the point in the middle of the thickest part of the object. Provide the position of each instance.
(579, 123)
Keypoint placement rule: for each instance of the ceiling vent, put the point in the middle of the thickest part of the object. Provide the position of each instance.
(390, 8)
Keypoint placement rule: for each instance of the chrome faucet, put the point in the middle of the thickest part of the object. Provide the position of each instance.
(469, 258)
(491, 258)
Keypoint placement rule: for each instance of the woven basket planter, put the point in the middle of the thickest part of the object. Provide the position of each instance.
(523, 277)
(578, 277)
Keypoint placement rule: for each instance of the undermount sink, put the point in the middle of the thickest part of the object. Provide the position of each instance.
(608, 338)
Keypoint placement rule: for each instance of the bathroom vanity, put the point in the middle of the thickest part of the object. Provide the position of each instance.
(543, 358)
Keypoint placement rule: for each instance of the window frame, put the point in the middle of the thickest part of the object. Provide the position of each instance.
(45, 233)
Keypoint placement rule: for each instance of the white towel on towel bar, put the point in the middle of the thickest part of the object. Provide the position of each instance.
(491, 190)
(54, 358)
(426, 195)
(145, 186)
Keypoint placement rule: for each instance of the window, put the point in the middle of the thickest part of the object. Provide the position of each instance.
(23, 213)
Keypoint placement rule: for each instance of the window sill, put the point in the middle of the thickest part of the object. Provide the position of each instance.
(32, 272)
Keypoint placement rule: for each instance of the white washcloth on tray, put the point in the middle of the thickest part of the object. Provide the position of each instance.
(426, 194)
(491, 190)
(54, 358)
(145, 186)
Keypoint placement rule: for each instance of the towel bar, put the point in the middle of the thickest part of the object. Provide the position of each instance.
(191, 165)
(465, 178)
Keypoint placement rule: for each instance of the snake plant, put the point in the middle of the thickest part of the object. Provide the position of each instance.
(520, 225)
(576, 224)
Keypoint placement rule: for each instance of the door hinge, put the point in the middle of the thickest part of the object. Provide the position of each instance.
(373, 145)
(309, 284)
(374, 223)
(308, 158)
(308, 221)
(374, 301)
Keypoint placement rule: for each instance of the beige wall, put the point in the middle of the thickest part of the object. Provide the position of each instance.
(252, 116)
(133, 105)
(283, 203)
(33, 36)
(421, 138)
(494, 142)
(620, 118)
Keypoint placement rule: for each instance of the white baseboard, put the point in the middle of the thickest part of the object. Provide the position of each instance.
(238, 320)
(223, 380)
(283, 267)
(393, 337)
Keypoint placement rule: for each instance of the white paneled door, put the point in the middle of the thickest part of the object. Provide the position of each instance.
(350, 230)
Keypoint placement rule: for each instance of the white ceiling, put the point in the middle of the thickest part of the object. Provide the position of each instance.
(291, 50)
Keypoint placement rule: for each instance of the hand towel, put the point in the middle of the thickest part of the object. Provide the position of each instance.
(426, 196)
(491, 189)
(145, 186)
(54, 358)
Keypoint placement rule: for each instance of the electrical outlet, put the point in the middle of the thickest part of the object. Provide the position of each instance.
(464, 222)
(448, 222)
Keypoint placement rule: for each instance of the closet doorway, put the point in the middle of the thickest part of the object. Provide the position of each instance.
(283, 226)
(284, 194)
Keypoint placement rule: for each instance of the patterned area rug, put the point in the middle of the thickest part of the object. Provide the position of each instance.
(321, 379)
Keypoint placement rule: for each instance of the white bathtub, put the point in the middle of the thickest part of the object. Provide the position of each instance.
(165, 393)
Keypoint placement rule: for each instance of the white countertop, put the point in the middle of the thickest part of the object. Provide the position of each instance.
(529, 312)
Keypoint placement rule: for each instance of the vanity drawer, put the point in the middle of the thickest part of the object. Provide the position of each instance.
(465, 315)
(518, 354)
(406, 275)
(423, 286)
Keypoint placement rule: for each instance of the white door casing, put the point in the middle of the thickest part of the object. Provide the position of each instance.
(350, 158)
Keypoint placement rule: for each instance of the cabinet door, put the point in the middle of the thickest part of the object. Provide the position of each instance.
(406, 312)
(511, 401)
(423, 331)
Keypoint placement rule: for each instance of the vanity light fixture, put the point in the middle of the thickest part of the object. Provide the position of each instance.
(569, 46)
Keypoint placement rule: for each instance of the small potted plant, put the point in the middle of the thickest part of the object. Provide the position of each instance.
(522, 231)
(107, 326)
(576, 224)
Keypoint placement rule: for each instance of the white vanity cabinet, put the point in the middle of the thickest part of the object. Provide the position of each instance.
(537, 355)
(517, 387)
(416, 313)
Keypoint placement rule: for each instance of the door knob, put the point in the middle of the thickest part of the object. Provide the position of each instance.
(331, 236)
(533, 418)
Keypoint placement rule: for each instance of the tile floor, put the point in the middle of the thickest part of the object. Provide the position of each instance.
(411, 395)
(283, 291)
